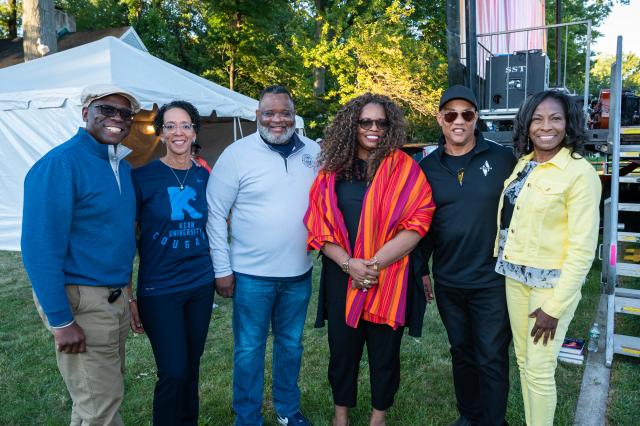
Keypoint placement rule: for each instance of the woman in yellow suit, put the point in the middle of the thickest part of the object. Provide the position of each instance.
(548, 230)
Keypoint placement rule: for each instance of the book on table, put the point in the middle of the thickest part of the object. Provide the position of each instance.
(572, 345)
(579, 357)
(570, 360)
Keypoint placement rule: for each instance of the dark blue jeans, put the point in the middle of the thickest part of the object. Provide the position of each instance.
(177, 326)
(257, 304)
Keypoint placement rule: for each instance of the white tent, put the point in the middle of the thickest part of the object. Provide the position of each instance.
(40, 108)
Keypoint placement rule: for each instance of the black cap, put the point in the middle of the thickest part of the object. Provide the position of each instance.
(458, 92)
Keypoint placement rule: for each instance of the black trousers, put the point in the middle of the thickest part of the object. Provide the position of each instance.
(177, 325)
(477, 324)
(346, 345)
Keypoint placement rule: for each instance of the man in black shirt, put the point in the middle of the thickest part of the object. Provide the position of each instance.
(466, 174)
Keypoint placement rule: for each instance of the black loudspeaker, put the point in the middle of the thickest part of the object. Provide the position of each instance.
(511, 78)
(630, 110)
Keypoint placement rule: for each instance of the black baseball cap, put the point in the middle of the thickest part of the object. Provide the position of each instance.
(458, 92)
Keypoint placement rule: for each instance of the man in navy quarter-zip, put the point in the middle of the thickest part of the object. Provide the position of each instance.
(78, 245)
(466, 174)
(262, 181)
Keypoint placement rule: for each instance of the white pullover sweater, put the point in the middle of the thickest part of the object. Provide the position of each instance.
(267, 197)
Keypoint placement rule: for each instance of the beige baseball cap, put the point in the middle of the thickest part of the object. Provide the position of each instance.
(98, 91)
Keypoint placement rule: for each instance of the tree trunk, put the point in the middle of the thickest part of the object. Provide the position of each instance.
(319, 73)
(234, 48)
(185, 61)
(38, 22)
(13, 19)
(232, 71)
(139, 8)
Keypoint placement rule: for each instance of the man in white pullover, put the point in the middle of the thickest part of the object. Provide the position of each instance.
(262, 181)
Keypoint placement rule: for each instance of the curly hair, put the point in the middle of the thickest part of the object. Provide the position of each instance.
(158, 119)
(574, 129)
(340, 146)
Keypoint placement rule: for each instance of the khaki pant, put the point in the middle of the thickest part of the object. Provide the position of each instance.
(536, 362)
(95, 378)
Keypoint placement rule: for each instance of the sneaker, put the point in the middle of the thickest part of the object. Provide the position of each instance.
(296, 419)
(461, 421)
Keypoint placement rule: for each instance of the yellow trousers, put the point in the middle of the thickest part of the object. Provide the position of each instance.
(536, 362)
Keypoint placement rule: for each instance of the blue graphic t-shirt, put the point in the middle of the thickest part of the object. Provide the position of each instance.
(172, 215)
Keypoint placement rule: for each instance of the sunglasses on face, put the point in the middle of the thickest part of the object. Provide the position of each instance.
(367, 124)
(109, 111)
(451, 116)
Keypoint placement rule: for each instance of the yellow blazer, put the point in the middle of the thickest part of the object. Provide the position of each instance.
(555, 223)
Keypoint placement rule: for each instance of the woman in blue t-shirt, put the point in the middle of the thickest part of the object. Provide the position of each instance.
(175, 278)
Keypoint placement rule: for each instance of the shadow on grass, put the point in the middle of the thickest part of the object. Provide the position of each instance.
(33, 392)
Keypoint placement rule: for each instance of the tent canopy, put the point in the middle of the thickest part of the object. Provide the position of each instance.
(52, 80)
(40, 108)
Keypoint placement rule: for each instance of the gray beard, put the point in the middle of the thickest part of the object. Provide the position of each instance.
(276, 140)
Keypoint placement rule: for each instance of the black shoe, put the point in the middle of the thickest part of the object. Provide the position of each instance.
(461, 421)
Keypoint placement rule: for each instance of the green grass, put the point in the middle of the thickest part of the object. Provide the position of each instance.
(33, 393)
(624, 394)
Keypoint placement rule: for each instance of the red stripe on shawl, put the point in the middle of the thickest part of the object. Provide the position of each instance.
(323, 217)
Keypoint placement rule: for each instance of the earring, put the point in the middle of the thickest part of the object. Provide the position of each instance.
(528, 144)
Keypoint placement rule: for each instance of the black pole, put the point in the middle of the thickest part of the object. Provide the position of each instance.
(558, 43)
(472, 46)
(455, 72)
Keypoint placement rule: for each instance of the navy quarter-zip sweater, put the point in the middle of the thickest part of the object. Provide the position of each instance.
(463, 229)
(78, 223)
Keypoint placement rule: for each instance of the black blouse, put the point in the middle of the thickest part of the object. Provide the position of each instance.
(350, 197)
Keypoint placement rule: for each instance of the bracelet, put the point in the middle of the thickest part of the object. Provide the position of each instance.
(133, 299)
(376, 263)
(345, 265)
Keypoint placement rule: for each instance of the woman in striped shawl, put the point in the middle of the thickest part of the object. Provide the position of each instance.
(368, 208)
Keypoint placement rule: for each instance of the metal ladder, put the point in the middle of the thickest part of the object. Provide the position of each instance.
(619, 300)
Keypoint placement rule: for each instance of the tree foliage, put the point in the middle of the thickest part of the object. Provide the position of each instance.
(94, 14)
(325, 51)
(378, 46)
(574, 38)
(250, 43)
(601, 72)
(10, 18)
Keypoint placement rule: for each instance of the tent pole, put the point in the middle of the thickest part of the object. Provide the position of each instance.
(235, 132)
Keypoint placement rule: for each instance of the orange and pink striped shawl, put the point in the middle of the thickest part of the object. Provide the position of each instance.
(398, 198)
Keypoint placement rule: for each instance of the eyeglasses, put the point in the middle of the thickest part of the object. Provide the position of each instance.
(109, 111)
(172, 127)
(367, 124)
(287, 115)
(451, 116)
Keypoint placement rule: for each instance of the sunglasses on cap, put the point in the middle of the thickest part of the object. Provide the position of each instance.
(109, 111)
(367, 124)
(467, 115)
